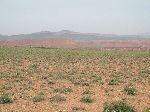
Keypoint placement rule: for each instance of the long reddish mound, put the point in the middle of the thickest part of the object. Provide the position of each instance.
(145, 43)
(40, 41)
(69, 42)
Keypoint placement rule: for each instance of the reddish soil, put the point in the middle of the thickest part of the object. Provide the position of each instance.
(145, 43)
(101, 93)
(68, 42)
(45, 42)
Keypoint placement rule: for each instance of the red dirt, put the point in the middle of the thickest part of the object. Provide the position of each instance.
(40, 41)
(68, 42)
(145, 43)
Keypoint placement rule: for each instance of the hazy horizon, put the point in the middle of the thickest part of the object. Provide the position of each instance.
(85, 16)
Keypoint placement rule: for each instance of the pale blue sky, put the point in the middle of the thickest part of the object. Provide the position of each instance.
(95, 16)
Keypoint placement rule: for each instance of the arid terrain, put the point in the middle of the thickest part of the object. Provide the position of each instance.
(72, 39)
(42, 79)
(66, 42)
(74, 55)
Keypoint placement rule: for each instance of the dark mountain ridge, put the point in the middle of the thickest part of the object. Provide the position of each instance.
(74, 35)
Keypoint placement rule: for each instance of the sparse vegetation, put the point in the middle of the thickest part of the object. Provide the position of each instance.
(64, 74)
(5, 99)
(145, 72)
(112, 82)
(38, 98)
(86, 99)
(147, 110)
(57, 98)
(130, 90)
(118, 106)
(64, 90)
(34, 66)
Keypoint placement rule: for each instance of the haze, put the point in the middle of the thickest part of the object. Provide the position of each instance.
(97, 16)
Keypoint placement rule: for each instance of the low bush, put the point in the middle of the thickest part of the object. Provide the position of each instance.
(148, 110)
(37, 98)
(130, 90)
(57, 98)
(5, 99)
(64, 90)
(118, 106)
(86, 99)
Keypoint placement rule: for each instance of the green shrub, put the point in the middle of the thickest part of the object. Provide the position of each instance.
(112, 82)
(148, 110)
(86, 99)
(145, 72)
(57, 98)
(118, 106)
(5, 99)
(64, 90)
(37, 98)
(130, 90)
(34, 66)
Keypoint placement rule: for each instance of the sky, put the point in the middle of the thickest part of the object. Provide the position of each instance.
(87, 16)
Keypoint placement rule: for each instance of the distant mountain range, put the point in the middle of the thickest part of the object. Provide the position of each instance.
(75, 35)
